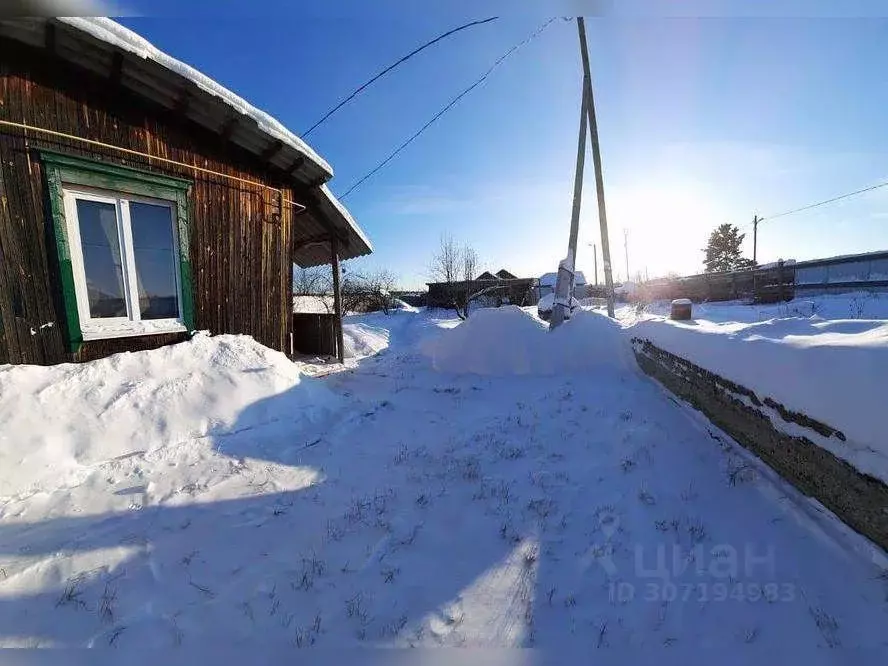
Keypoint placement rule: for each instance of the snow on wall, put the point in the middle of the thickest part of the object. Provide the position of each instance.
(60, 421)
(111, 32)
(833, 371)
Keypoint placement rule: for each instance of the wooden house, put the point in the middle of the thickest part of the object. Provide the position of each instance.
(140, 200)
(487, 289)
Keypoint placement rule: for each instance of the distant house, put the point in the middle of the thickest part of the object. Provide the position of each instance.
(142, 201)
(547, 285)
(488, 289)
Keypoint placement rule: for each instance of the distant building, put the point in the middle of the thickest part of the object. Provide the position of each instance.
(488, 289)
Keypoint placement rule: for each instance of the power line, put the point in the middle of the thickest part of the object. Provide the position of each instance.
(358, 90)
(448, 106)
(823, 203)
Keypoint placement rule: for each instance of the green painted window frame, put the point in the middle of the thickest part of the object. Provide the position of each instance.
(61, 170)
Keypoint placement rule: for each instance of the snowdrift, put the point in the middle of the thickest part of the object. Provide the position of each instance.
(362, 339)
(60, 420)
(508, 341)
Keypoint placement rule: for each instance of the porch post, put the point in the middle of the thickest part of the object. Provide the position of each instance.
(337, 298)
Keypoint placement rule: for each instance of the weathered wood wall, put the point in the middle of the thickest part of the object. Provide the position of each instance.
(241, 255)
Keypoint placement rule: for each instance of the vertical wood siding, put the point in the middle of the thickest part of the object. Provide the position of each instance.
(241, 256)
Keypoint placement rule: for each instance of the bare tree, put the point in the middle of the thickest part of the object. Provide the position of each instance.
(446, 262)
(368, 292)
(312, 281)
(313, 286)
(468, 265)
(457, 266)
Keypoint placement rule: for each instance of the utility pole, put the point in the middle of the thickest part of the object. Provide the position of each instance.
(566, 269)
(626, 249)
(595, 258)
(564, 283)
(755, 227)
(596, 162)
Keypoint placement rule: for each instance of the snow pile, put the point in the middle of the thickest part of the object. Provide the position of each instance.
(589, 341)
(833, 371)
(492, 341)
(509, 341)
(61, 420)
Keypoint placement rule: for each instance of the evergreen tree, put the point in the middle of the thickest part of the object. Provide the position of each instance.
(723, 250)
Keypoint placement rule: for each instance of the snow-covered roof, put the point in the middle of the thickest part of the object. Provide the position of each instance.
(549, 279)
(113, 33)
(110, 50)
(337, 204)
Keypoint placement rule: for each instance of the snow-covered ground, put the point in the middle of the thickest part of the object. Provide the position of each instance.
(826, 357)
(473, 484)
(313, 304)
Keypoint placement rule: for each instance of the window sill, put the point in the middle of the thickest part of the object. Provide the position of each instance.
(132, 330)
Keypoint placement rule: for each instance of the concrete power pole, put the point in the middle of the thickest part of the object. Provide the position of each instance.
(596, 163)
(565, 282)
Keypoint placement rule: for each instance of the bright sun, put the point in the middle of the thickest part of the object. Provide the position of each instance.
(667, 226)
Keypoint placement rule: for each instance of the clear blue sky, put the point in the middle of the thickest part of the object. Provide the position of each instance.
(703, 120)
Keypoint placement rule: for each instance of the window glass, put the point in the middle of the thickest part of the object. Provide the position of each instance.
(101, 258)
(155, 254)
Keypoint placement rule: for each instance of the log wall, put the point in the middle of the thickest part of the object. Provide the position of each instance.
(241, 251)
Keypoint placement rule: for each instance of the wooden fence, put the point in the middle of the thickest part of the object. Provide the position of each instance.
(762, 285)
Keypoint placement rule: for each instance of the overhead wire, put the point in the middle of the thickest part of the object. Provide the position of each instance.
(448, 106)
(385, 71)
(824, 202)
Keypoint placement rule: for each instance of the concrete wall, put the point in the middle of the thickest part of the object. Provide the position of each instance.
(861, 501)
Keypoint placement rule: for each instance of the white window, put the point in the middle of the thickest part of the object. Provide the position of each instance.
(125, 262)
